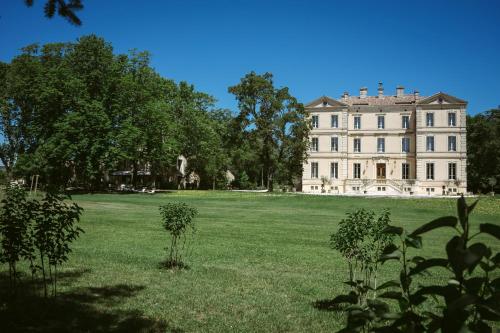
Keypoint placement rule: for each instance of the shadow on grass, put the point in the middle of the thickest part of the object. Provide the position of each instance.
(79, 310)
(173, 265)
(328, 305)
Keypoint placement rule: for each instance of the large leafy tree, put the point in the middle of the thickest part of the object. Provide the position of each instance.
(279, 123)
(483, 151)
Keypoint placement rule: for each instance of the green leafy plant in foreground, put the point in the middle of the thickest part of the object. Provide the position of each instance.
(178, 221)
(468, 302)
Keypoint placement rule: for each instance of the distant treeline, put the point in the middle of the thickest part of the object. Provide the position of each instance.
(74, 113)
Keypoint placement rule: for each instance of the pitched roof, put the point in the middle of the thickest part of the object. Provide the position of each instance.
(442, 98)
(383, 100)
(324, 101)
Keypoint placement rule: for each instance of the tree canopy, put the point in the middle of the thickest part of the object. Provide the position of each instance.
(75, 113)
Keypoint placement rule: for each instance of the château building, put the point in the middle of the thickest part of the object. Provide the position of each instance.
(387, 144)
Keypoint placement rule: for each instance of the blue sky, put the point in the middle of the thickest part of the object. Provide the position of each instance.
(313, 47)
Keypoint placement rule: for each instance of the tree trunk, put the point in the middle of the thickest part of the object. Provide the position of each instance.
(213, 184)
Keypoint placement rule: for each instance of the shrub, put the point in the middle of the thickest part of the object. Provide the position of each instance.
(178, 221)
(468, 301)
(33, 230)
(361, 239)
(53, 231)
(15, 219)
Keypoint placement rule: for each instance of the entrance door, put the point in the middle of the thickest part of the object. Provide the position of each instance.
(380, 170)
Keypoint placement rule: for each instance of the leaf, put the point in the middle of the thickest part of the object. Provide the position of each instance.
(388, 284)
(471, 207)
(390, 249)
(474, 254)
(392, 230)
(462, 211)
(491, 229)
(392, 295)
(446, 221)
(424, 265)
(462, 302)
(456, 254)
(413, 241)
(390, 256)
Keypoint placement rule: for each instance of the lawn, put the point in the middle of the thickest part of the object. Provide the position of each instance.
(258, 263)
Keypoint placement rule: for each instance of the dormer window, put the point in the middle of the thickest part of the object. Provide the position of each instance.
(325, 103)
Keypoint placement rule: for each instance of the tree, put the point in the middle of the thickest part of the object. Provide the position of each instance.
(279, 123)
(483, 151)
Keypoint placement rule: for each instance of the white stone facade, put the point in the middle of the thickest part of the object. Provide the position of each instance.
(401, 144)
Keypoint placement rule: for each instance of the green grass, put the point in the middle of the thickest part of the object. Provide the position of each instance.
(258, 261)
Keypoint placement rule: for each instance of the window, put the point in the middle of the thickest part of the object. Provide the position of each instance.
(430, 143)
(314, 170)
(357, 145)
(452, 119)
(429, 119)
(357, 122)
(430, 171)
(405, 122)
(381, 122)
(335, 121)
(357, 170)
(405, 145)
(334, 170)
(452, 143)
(335, 143)
(405, 171)
(314, 144)
(380, 145)
(315, 121)
(452, 171)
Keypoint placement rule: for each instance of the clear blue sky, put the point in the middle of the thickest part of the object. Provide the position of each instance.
(313, 47)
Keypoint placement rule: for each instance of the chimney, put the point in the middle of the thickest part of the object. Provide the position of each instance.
(345, 96)
(363, 92)
(400, 91)
(416, 94)
(380, 90)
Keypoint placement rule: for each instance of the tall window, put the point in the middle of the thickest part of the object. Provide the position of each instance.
(357, 170)
(380, 145)
(452, 143)
(429, 143)
(405, 145)
(430, 171)
(429, 119)
(452, 119)
(381, 122)
(405, 122)
(314, 170)
(334, 170)
(315, 121)
(314, 144)
(357, 145)
(335, 143)
(335, 121)
(405, 171)
(452, 171)
(357, 122)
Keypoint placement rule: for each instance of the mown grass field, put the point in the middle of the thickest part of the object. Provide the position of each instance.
(258, 262)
